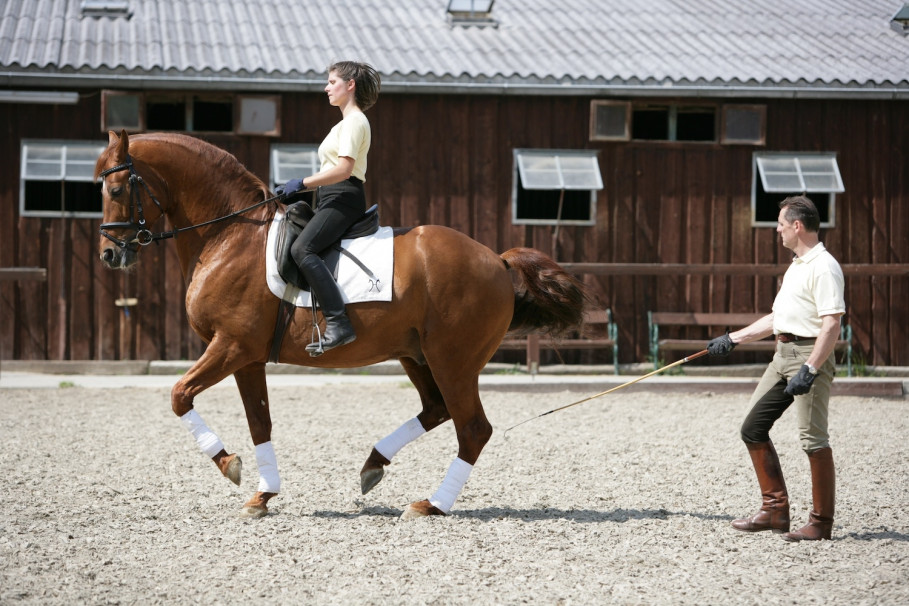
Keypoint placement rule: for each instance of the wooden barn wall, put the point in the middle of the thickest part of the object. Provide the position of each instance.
(448, 160)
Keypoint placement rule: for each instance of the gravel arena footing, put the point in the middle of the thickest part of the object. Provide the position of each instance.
(624, 500)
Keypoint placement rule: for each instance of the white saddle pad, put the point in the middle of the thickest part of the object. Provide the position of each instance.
(375, 252)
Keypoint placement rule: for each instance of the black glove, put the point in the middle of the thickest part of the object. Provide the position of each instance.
(290, 188)
(721, 346)
(801, 382)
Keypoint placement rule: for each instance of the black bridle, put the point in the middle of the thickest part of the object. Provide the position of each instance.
(143, 236)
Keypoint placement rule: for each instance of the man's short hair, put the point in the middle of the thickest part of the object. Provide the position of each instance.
(801, 208)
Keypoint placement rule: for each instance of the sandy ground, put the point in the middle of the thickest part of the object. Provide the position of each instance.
(626, 499)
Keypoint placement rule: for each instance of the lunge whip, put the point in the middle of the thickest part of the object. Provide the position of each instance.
(616, 388)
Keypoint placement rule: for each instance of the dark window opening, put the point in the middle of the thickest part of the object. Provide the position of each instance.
(43, 196)
(544, 204)
(82, 197)
(166, 115)
(213, 116)
(696, 124)
(767, 205)
(650, 123)
(63, 196)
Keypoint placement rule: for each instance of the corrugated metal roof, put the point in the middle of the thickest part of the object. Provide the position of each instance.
(770, 47)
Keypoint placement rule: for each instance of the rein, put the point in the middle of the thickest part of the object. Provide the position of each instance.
(136, 222)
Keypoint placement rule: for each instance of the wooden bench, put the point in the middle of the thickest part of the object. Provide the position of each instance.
(719, 323)
(600, 331)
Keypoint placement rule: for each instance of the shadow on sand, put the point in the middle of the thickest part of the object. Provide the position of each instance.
(491, 514)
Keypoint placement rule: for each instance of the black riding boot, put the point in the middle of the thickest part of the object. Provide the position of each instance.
(338, 330)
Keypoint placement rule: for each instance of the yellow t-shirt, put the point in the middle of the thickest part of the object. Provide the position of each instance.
(813, 286)
(349, 138)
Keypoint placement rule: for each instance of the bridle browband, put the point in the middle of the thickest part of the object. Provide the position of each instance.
(136, 222)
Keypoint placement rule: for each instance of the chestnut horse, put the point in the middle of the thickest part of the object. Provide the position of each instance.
(453, 302)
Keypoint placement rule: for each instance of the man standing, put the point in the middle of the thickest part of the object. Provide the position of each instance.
(806, 321)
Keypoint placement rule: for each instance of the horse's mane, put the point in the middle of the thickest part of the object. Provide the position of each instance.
(228, 168)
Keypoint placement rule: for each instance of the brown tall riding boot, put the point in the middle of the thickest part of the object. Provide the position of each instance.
(823, 493)
(774, 512)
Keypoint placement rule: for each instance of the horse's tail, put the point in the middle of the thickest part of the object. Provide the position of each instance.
(547, 299)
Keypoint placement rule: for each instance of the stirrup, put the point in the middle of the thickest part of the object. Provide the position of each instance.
(315, 341)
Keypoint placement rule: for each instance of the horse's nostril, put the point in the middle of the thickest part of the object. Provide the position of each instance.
(107, 256)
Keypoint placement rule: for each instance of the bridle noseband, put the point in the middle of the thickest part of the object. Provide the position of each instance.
(144, 236)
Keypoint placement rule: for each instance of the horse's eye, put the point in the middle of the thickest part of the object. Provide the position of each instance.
(116, 191)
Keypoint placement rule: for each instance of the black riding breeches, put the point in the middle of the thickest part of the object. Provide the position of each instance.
(338, 207)
(765, 412)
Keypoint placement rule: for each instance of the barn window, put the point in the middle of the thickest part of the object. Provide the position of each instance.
(215, 115)
(555, 187)
(744, 124)
(293, 162)
(610, 120)
(778, 175)
(57, 178)
(106, 8)
(259, 115)
(673, 123)
(624, 121)
(477, 13)
(122, 110)
(136, 112)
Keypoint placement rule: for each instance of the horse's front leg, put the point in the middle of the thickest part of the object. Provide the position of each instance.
(208, 370)
(254, 392)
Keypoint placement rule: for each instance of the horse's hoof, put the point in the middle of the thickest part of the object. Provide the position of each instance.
(421, 509)
(373, 471)
(233, 468)
(257, 506)
(369, 479)
(253, 511)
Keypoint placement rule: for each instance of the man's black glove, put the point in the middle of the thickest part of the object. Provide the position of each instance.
(801, 382)
(721, 346)
(290, 188)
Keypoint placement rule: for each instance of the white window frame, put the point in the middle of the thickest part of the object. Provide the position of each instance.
(555, 175)
(75, 161)
(815, 174)
(285, 167)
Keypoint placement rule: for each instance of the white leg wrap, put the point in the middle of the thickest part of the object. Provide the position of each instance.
(399, 438)
(452, 484)
(205, 438)
(269, 480)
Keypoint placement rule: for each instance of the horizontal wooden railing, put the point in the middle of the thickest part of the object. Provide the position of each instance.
(730, 269)
(23, 273)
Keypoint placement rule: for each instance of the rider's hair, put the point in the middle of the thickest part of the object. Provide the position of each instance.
(366, 78)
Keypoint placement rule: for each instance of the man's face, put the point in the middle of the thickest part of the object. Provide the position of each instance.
(787, 230)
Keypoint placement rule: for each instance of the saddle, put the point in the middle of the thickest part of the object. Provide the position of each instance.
(296, 216)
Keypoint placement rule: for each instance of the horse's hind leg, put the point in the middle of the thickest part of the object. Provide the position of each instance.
(434, 414)
(254, 392)
(473, 431)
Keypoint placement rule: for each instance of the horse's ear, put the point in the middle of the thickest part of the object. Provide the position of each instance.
(121, 143)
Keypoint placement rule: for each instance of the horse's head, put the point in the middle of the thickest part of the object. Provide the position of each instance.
(128, 204)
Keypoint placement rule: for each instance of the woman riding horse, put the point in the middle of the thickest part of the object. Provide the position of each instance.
(340, 198)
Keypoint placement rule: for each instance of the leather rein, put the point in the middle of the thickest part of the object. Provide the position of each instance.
(143, 235)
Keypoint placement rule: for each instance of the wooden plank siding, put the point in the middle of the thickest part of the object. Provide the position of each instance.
(447, 159)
